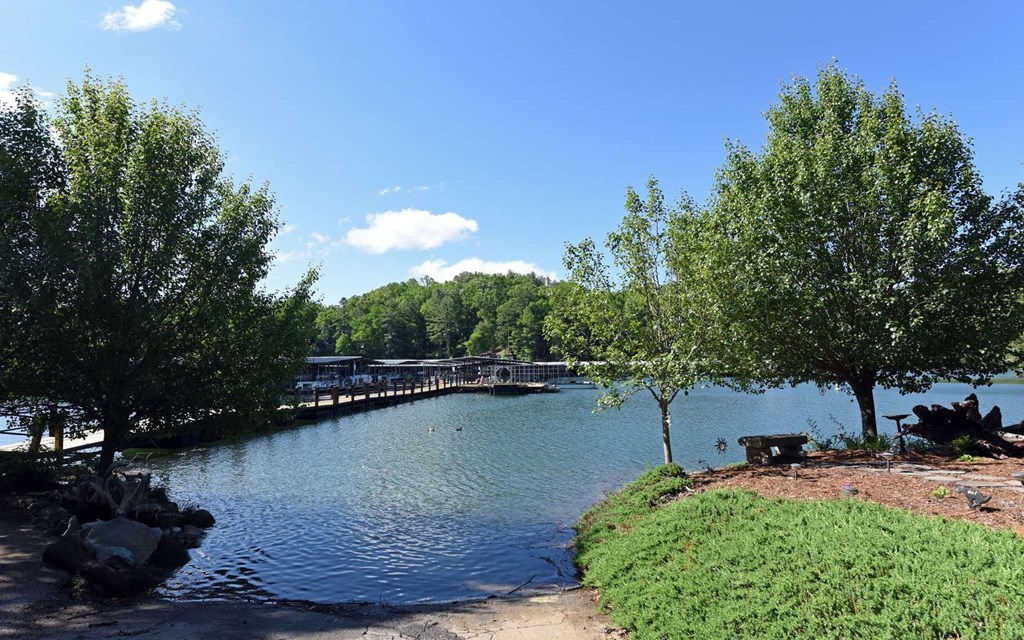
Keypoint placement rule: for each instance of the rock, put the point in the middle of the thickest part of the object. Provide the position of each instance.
(125, 539)
(170, 553)
(51, 517)
(107, 579)
(116, 557)
(191, 536)
(200, 518)
(168, 519)
(64, 553)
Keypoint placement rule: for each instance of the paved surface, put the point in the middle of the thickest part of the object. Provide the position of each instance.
(935, 474)
(36, 603)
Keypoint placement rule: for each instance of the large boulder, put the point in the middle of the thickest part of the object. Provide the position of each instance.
(120, 540)
(66, 551)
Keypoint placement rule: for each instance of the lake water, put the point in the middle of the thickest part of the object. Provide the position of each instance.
(375, 507)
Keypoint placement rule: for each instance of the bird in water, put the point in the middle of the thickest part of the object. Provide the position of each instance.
(974, 497)
(430, 429)
(458, 428)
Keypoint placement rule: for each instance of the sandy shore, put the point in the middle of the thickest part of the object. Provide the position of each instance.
(36, 602)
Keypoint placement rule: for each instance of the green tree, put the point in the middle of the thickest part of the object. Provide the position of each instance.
(858, 247)
(653, 327)
(145, 304)
(446, 319)
(30, 169)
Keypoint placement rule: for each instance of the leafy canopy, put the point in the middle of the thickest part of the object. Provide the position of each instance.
(143, 305)
(651, 324)
(857, 247)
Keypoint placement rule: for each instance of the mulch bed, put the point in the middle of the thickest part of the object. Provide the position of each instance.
(825, 473)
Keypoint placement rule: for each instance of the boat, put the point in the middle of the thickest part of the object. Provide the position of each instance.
(573, 382)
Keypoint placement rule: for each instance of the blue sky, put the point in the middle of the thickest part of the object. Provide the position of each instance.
(476, 133)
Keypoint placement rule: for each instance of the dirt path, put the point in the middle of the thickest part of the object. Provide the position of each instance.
(35, 603)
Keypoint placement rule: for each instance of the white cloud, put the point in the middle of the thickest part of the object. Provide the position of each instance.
(7, 92)
(150, 14)
(288, 228)
(441, 271)
(292, 256)
(409, 229)
(7, 81)
(420, 188)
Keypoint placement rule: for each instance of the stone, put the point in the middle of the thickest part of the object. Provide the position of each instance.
(64, 553)
(123, 539)
(51, 517)
(191, 536)
(168, 519)
(170, 553)
(107, 579)
(200, 518)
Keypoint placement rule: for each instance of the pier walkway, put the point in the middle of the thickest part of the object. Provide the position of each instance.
(369, 396)
(322, 403)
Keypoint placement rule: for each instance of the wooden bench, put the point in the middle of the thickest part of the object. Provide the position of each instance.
(771, 449)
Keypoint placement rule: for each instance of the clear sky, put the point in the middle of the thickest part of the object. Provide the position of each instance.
(412, 138)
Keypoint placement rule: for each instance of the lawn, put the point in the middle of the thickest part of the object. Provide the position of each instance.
(732, 564)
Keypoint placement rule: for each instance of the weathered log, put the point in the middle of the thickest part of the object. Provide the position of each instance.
(943, 425)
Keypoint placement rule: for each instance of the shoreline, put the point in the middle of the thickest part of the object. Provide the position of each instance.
(37, 602)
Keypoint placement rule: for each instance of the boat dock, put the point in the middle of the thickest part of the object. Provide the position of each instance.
(323, 403)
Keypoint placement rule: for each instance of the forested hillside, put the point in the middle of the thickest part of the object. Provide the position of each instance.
(472, 314)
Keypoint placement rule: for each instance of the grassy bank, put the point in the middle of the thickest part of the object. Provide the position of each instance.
(731, 564)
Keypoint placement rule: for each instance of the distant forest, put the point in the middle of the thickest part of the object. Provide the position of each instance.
(473, 314)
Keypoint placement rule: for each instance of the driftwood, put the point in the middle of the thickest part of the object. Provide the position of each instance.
(986, 435)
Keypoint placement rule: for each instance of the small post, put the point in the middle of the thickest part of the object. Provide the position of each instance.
(334, 398)
(57, 426)
(316, 401)
(298, 396)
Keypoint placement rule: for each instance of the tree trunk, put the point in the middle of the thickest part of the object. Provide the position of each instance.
(666, 438)
(106, 453)
(115, 428)
(864, 390)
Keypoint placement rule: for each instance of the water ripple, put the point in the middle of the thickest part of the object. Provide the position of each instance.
(374, 507)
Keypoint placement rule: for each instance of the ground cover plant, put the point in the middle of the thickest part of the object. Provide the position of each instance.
(732, 564)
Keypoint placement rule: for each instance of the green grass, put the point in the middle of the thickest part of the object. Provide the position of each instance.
(619, 510)
(731, 564)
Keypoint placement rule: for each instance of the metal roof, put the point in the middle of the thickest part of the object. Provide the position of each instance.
(332, 359)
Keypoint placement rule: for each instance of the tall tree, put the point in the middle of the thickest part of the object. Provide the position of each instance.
(145, 302)
(859, 249)
(653, 327)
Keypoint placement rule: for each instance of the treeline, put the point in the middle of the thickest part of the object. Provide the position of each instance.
(473, 314)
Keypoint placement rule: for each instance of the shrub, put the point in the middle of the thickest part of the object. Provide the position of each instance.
(638, 498)
(23, 472)
(941, 492)
(731, 564)
(962, 446)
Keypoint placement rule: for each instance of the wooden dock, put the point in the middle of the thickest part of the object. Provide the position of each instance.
(326, 403)
(370, 396)
(48, 443)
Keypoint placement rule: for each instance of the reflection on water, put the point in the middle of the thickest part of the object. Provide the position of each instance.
(376, 507)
